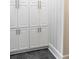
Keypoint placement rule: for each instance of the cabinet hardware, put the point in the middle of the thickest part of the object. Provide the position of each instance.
(39, 29)
(17, 4)
(17, 31)
(39, 4)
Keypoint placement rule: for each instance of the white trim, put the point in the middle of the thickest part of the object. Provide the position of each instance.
(65, 56)
(56, 53)
(52, 53)
(27, 50)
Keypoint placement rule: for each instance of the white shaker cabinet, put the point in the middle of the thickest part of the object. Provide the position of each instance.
(27, 18)
(13, 17)
(18, 14)
(39, 12)
(34, 13)
(44, 13)
(23, 2)
(14, 40)
(12, 2)
(24, 39)
(19, 39)
(44, 37)
(23, 16)
(34, 38)
(38, 37)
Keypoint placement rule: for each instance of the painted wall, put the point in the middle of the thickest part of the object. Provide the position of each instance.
(59, 28)
(66, 29)
(56, 24)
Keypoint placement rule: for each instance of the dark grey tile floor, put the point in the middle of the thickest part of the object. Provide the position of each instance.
(39, 54)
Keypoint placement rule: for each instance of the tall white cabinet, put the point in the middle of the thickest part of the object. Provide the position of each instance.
(29, 24)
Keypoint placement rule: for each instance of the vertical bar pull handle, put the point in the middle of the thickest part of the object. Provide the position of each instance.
(17, 4)
(17, 31)
(39, 4)
(40, 29)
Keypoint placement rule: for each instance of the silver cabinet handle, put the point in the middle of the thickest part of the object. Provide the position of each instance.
(17, 31)
(39, 4)
(17, 4)
(39, 29)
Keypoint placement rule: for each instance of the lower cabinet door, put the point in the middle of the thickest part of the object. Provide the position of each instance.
(34, 38)
(44, 37)
(24, 39)
(38, 38)
(14, 40)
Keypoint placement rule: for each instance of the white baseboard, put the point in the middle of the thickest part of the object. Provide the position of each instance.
(26, 50)
(56, 53)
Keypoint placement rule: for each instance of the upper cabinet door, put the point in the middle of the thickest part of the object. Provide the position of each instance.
(23, 2)
(14, 42)
(34, 13)
(13, 17)
(24, 39)
(23, 16)
(12, 2)
(44, 13)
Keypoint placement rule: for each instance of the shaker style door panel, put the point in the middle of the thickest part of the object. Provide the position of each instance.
(44, 13)
(24, 39)
(14, 42)
(12, 2)
(44, 37)
(44, 16)
(34, 16)
(34, 38)
(23, 16)
(13, 17)
(23, 2)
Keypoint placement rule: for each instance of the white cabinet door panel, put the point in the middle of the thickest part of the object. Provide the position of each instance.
(44, 37)
(34, 16)
(14, 42)
(34, 38)
(23, 2)
(38, 39)
(44, 13)
(43, 16)
(12, 2)
(34, 2)
(24, 39)
(23, 16)
(13, 16)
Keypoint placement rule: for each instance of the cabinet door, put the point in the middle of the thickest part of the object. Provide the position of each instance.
(14, 42)
(34, 38)
(13, 16)
(44, 13)
(34, 13)
(23, 16)
(12, 2)
(23, 2)
(24, 39)
(44, 37)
